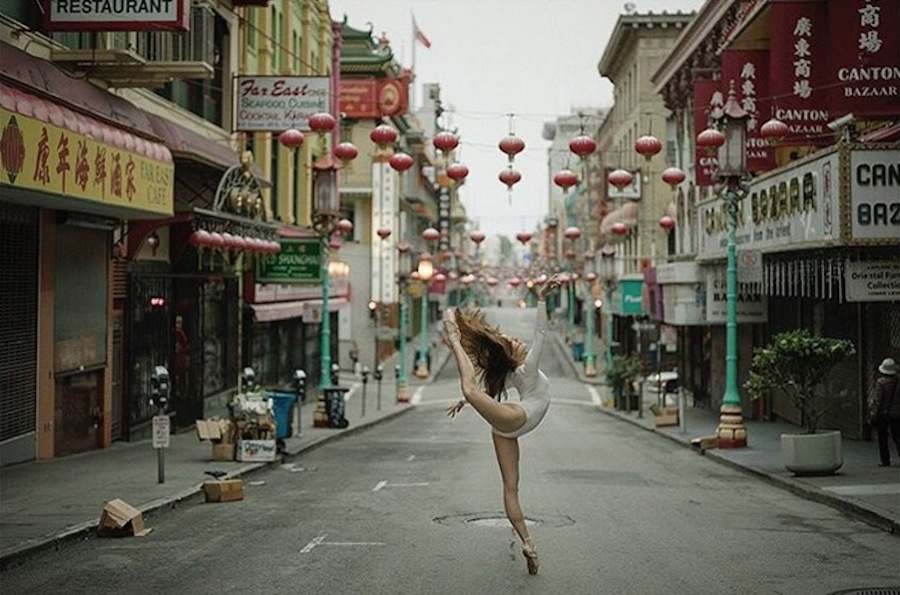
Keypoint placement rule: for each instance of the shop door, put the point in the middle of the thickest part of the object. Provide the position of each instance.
(77, 420)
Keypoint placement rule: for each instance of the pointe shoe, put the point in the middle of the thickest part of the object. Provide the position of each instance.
(531, 556)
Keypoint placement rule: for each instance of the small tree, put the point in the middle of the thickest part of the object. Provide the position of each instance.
(797, 363)
(624, 370)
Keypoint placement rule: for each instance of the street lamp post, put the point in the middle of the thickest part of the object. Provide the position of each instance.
(608, 270)
(731, 432)
(402, 378)
(590, 358)
(425, 271)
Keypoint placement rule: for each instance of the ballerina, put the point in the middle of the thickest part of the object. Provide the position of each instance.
(484, 353)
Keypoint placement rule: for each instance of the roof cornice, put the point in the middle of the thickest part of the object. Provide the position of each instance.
(622, 34)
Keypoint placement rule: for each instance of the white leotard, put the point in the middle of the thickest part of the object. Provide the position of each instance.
(532, 385)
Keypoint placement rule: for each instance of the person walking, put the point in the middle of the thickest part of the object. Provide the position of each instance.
(484, 353)
(884, 409)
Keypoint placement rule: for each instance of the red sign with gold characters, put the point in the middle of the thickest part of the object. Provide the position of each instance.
(37, 155)
(707, 95)
(749, 69)
(864, 65)
(374, 98)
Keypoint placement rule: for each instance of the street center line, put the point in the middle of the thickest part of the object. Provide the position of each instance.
(379, 485)
(410, 458)
(312, 544)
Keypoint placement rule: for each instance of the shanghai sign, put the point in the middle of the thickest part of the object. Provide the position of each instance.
(298, 262)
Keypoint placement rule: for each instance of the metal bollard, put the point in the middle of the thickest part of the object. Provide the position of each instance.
(365, 379)
(379, 374)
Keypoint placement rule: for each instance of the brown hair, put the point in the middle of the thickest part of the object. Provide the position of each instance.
(490, 351)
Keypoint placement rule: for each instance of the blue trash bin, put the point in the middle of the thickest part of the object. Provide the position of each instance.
(577, 351)
(283, 405)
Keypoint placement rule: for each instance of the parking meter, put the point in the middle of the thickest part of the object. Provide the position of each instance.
(379, 374)
(300, 384)
(335, 372)
(248, 379)
(159, 387)
(397, 372)
(365, 380)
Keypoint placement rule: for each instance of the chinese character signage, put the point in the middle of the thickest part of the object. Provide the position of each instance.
(798, 73)
(298, 262)
(40, 156)
(371, 98)
(749, 69)
(864, 69)
(116, 15)
(276, 103)
(707, 95)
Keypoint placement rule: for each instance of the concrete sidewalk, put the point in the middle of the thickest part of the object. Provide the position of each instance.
(860, 487)
(44, 503)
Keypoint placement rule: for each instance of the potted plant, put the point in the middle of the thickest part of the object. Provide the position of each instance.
(798, 364)
(621, 376)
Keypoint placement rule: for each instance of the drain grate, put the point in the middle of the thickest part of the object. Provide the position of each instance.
(869, 591)
(498, 519)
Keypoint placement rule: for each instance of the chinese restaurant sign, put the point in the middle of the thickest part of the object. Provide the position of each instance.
(43, 157)
(298, 262)
(276, 103)
(370, 98)
(116, 15)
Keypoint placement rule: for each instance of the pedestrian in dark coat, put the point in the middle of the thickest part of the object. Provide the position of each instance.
(884, 409)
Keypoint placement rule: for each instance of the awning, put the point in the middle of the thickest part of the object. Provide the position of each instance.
(187, 144)
(275, 311)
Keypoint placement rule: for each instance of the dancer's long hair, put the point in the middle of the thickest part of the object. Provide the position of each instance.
(491, 352)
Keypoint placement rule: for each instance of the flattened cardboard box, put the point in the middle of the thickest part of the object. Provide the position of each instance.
(208, 429)
(120, 518)
(223, 490)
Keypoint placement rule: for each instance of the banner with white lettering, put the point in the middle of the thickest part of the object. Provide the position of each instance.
(749, 69)
(864, 59)
(707, 94)
(798, 74)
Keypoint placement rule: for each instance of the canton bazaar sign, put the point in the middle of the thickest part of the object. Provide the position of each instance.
(276, 103)
(116, 15)
(40, 156)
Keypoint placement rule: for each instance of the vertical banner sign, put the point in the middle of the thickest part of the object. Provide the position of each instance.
(707, 94)
(444, 219)
(798, 73)
(864, 59)
(383, 215)
(749, 69)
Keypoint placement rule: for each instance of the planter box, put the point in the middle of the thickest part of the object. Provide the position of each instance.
(812, 454)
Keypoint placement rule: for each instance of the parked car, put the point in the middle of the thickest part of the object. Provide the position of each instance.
(657, 386)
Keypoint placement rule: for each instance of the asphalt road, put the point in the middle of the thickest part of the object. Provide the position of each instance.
(413, 506)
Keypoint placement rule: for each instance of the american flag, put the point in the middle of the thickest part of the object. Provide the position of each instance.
(418, 35)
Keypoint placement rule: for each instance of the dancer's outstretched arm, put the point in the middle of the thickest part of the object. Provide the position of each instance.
(532, 360)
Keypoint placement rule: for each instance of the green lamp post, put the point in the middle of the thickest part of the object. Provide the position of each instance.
(730, 142)
(425, 271)
(404, 250)
(590, 358)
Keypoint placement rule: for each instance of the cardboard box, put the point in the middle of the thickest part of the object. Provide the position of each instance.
(666, 416)
(223, 490)
(222, 451)
(119, 519)
(208, 429)
(255, 450)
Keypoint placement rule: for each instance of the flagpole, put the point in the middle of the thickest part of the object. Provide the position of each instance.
(412, 67)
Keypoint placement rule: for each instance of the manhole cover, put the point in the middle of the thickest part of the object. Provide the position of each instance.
(498, 519)
(869, 591)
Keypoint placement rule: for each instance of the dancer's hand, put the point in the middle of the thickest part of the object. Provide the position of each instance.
(550, 285)
(456, 408)
(451, 329)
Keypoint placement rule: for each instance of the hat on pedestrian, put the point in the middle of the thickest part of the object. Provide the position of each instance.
(888, 366)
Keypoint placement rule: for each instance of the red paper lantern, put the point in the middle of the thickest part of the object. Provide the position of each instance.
(457, 171)
(383, 232)
(565, 179)
(572, 233)
(524, 236)
(582, 145)
(619, 228)
(515, 281)
(430, 234)
(648, 146)
(620, 178)
(673, 176)
(491, 281)
(321, 122)
(440, 277)
(591, 277)
(477, 236)
(774, 130)
(512, 146)
(404, 247)
(216, 240)
(667, 222)
(291, 138)
(401, 161)
(346, 151)
(710, 140)
(383, 135)
(199, 238)
(510, 177)
(445, 141)
(345, 226)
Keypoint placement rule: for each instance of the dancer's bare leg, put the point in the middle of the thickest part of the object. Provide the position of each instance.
(507, 450)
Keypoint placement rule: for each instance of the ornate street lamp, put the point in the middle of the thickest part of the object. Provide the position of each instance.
(404, 250)
(425, 270)
(590, 358)
(608, 274)
(732, 119)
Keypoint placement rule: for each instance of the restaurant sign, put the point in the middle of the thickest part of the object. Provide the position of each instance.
(299, 261)
(116, 15)
(276, 103)
(39, 156)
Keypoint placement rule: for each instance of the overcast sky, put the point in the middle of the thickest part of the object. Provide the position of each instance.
(535, 59)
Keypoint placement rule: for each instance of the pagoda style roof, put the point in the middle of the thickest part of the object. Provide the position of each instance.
(363, 53)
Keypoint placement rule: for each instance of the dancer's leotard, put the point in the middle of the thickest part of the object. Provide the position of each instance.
(532, 384)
